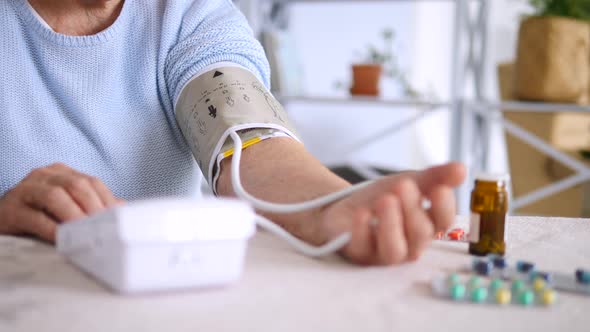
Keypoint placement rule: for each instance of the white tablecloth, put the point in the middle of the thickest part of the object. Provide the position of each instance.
(283, 291)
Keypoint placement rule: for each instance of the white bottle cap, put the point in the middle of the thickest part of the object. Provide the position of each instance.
(493, 177)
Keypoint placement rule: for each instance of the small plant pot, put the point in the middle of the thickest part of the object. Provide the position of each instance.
(366, 79)
(552, 60)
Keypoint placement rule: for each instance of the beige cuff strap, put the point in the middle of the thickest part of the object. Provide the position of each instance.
(220, 101)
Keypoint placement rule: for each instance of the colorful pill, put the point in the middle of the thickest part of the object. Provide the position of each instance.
(548, 297)
(456, 234)
(479, 294)
(526, 297)
(457, 291)
(454, 278)
(475, 262)
(583, 276)
(475, 282)
(499, 262)
(483, 268)
(517, 286)
(496, 284)
(524, 267)
(539, 284)
(503, 296)
(546, 276)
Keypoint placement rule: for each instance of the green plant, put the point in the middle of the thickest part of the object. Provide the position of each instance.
(577, 9)
(388, 60)
(385, 56)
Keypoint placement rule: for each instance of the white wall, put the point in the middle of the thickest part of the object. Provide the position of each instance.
(433, 26)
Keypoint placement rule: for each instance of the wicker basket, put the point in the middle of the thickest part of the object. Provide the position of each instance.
(553, 60)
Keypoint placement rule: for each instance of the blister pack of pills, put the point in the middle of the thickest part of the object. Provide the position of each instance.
(494, 280)
(478, 290)
(494, 266)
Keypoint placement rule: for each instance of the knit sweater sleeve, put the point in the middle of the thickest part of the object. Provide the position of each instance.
(213, 31)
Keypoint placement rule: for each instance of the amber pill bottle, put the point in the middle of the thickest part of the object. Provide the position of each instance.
(489, 204)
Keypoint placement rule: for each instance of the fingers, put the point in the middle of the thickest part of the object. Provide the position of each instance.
(404, 229)
(443, 209)
(419, 229)
(81, 191)
(39, 224)
(89, 192)
(101, 195)
(362, 242)
(392, 247)
(106, 196)
(54, 200)
(451, 175)
(437, 184)
(42, 226)
(48, 196)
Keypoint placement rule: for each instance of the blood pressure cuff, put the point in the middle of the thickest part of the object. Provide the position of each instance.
(223, 100)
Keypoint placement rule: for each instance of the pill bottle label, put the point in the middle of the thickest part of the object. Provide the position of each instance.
(474, 221)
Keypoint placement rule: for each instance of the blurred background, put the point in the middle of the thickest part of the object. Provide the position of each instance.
(445, 69)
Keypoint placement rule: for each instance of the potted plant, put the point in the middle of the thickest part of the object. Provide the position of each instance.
(553, 51)
(376, 63)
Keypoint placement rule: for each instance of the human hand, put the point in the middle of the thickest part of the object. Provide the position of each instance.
(387, 220)
(49, 196)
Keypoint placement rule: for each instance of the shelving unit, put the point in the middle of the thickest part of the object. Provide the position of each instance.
(492, 113)
(471, 114)
(424, 108)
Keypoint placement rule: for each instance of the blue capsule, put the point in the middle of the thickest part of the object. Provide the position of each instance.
(475, 262)
(499, 262)
(483, 268)
(542, 275)
(583, 276)
(524, 267)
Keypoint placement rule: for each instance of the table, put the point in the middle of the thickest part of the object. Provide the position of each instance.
(283, 291)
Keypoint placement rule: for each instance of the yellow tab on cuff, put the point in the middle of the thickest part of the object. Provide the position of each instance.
(246, 144)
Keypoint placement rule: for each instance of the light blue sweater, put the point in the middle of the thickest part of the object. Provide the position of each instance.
(103, 104)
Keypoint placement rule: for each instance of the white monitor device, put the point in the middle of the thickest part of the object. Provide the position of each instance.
(163, 244)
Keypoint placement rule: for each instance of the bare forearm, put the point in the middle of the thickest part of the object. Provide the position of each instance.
(280, 170)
